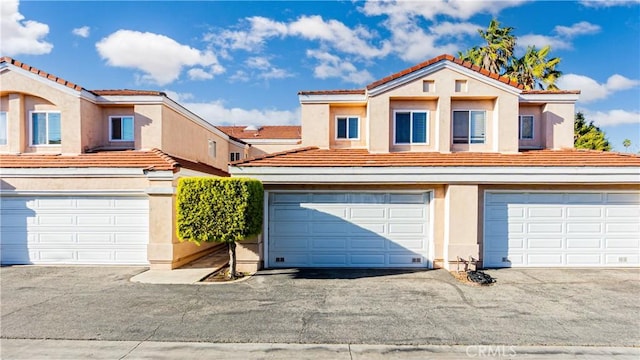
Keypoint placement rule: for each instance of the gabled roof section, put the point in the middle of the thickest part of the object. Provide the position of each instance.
(263, 132)
(151, 160)
(315, 157)
(46, 75)
(441, 58)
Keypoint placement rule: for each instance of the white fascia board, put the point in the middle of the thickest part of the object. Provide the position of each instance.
(439, 66)
(271, 141)
(106, 192)
(335, 98)
(45, 81)
(549, 98)
(128, 99)
(70, 172)
(440, 175)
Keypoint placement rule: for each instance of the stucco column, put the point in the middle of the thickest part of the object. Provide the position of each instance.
(380, 124)
(444, 120)
(17, 130)
(461, 223)
(161, 223)
(249, 254)
(505, 124)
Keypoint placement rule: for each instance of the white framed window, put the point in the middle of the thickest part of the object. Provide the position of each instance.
(234, 156)
(410, 127)
(469, 126)
(121, 128)
(525, 129)
(44, 128)
(3, 128)
(347, 127)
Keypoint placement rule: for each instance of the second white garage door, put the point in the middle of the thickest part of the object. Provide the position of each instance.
(74, 230)
(560, 229)
(372, 230)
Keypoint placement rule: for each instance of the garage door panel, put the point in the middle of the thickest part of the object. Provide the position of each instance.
(95, 220)
(57, 238)
(56, 220)
(584, 228)
(545, 212)
(373, 213)
(544, 228)
(368, 243)
(584, 212)
(55, 203)
(631, 213)
(544, 243)
(596, 229)
(374, 226)
(583, 243)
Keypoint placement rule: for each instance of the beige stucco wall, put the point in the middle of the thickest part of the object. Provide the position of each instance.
(558, 119)
(461, 224)
(95, 127)
(315, 125)
(184, 138)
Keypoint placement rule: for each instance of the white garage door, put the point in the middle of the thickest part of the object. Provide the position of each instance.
(553, 229)
(372, 230)
(74, 230)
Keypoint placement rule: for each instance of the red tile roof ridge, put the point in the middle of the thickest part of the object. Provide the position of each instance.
(263, 132)
(551, 91)
(333, 92)
(127, 92)
(34, 70)
(444, 57)
(166, 157)
(272, 155)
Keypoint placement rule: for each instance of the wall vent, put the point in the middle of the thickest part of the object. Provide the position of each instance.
(505, 259)
(279, 259)
(622, 259)
(416, 260)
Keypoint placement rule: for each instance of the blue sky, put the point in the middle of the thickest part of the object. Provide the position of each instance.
(241, 62)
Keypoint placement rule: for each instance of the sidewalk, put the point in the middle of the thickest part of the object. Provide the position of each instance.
(88, 349)
(190, 273)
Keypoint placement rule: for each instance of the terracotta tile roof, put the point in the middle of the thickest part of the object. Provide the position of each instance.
(314, 157)
(551, 92)
(444, 57)
(128, 92)
(150, 160)
(332, 92)
(46, 75)
(264, 132)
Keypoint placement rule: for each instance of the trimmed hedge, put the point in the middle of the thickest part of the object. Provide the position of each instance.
(219, 209)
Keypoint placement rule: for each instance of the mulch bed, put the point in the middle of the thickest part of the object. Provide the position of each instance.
(221, 276)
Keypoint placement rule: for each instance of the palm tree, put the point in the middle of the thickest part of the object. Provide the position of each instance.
(626, 143)
(534, 70)
(497, 52)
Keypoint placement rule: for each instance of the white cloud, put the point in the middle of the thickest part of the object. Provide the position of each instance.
(613, 117)
(240, 76)
(591, 90)
(258, 62)
(19, 36)
(608, 3)
(217, 113)
(260, 29)
(540, 41)
(263, 69)
(457, 9)
(580, 28)
(199, 74)
(160, 58)
(332, 66)
(81, 31)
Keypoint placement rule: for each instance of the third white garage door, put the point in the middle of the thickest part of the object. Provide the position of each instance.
(562, 229)
(371, 230)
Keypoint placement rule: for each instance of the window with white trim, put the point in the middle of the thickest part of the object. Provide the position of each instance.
(45, 128)
(3, 128)
(347, 127)
(410, 127)
(234, 156)
(121, 128)
(525, 129)
(469, 127)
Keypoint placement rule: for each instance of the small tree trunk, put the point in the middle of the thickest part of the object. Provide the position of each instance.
(232, 260)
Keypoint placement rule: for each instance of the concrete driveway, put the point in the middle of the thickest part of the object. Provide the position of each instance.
(526, 307)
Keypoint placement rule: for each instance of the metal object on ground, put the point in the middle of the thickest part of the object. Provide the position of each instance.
(480, 277)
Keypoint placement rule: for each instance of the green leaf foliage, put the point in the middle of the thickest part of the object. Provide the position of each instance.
(588, 136)
(219, 209)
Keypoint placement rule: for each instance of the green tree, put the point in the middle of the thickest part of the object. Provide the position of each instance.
(219, 210)
(533, 70)
(626, 143)
(588, 136)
